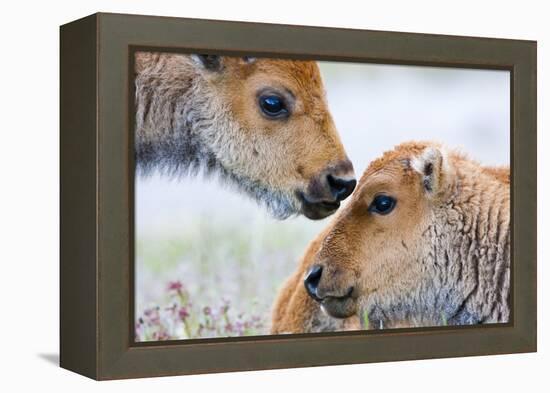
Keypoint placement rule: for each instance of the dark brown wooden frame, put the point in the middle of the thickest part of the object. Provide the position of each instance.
(97, 196)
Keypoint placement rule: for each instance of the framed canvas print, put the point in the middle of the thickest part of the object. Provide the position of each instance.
(241, 196)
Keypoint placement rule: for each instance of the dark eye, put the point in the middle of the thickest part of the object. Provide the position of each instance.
(382, 204)
(273, 106)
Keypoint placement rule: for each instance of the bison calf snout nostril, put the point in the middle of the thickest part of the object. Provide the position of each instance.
(339, 187)
(349, 292)
(311, 282)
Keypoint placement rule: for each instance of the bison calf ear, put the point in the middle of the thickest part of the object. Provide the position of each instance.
(248, 59)
(431, 165)
(208, 62)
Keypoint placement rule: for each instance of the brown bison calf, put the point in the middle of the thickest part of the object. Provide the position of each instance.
(262, 125)
(424, 241)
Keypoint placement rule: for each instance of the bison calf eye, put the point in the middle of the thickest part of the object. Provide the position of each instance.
(382, 204)
(273, 106)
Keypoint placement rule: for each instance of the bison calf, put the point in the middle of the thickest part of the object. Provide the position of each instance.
(262, 125)
(424, 241)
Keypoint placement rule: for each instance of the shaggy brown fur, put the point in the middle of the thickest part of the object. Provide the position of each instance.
(441, 256)
(201, 113)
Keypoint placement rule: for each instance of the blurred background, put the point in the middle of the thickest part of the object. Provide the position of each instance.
(209, 262)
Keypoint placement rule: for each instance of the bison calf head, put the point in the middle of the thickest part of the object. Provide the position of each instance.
(261, 124)
(276, 136)
(375, 249)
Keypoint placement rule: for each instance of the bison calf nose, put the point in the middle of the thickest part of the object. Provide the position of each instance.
(339, 187)
(326, 190)
(312, 279)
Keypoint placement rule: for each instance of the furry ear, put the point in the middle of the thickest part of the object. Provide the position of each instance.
(431, 165)
(248, 59)
(208, 62)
